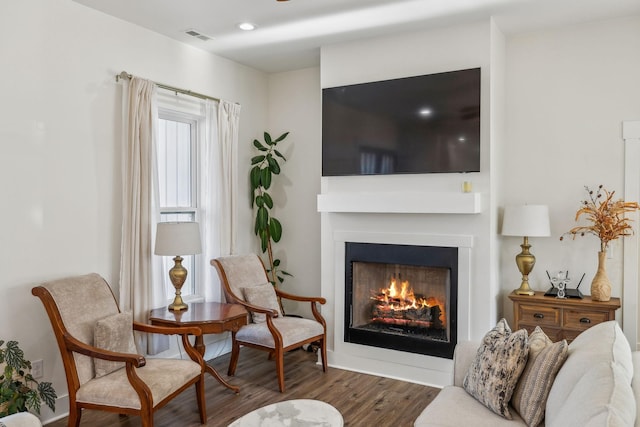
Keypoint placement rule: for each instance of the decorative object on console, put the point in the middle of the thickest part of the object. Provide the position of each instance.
(19, 391)
(175, 239)
(526, 221)
(568, 292)
(608, 223)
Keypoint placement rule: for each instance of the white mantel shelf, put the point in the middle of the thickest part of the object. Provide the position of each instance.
(401, 202)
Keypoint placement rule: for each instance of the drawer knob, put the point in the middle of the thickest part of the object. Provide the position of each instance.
(585, 320)
(539, 315)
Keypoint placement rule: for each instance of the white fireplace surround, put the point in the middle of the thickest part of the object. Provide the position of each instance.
(343, 216)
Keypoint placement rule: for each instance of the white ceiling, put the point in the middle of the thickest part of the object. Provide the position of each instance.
(290, 33)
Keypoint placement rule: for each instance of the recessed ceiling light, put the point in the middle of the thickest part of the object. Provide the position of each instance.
(425, 112)
(246, 26)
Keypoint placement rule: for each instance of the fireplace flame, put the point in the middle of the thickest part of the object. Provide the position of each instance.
(403, 298)
(399, 297)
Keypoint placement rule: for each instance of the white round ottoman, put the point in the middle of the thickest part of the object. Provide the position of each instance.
(297, 412)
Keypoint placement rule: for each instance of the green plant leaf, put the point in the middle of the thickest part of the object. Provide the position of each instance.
(276, 262)
(264, 240)
(268, 200)
(279, 154)
(259, 145)
(255, 177)
(14, 356)
(262, 218)
(48, 394)
(274, 167)
(265, 178)
(281, 137)
(32, 401)
(259, 201)
(267, 138)
(275, 228)
(257, 159)
(285, 273)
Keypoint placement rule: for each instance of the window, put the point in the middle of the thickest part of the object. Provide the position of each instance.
(177, 157)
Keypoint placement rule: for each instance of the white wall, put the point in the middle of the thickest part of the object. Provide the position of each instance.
(568, 91)
(59, 130)
(295, 106)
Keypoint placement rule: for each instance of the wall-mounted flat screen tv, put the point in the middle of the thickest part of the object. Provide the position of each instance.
(412, 125)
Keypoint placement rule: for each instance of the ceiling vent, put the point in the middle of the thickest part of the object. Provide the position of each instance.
(197, 34)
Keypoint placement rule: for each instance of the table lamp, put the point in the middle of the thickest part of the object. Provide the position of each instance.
(175, 239)
(526, 221)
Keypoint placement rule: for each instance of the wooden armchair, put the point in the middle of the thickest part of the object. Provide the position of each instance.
(245, 282)
(103, 369)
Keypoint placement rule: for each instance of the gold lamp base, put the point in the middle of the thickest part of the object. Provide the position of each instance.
(525, 262)
(178, 275)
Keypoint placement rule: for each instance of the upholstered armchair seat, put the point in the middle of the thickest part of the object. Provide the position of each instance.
(292, 329)
(244, 281)
(162, 376)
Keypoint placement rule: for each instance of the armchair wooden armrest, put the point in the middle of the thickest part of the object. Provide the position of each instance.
(256, 308)
(286, 295)
(77, 346)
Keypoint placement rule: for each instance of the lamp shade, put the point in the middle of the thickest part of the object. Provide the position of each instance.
(178, 238)
(526, 220)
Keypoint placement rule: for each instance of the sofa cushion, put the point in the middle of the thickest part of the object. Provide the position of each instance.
(545, 359)
(494, 372)
(454, 407)
(593, 387)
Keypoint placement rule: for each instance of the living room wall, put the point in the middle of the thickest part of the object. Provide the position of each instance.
(568, 91)
(60, 134)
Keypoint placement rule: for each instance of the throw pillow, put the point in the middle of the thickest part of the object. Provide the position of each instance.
(545, 360)
(263, 296)
(114, 333)
(494, 372)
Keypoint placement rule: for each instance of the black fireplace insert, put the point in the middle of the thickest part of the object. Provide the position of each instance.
(402, 297)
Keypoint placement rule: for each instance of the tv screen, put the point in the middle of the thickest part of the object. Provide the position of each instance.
(412, 125)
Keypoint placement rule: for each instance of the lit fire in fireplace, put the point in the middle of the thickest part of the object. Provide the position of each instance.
(398, 305)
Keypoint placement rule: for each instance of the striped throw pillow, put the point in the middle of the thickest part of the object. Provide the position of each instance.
(545, 360)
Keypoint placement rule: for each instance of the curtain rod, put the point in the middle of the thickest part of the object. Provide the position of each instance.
(125, 75)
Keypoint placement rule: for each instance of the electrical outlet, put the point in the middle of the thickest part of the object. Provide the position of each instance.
(37, 368)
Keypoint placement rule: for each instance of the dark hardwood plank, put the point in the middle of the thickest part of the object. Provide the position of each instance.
(363, 400)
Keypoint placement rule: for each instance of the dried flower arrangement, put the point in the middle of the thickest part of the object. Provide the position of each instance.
(607, 216)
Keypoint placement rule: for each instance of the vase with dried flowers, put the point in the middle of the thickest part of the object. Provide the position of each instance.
(608, 223)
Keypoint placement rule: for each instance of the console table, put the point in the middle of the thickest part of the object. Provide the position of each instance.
(560, 318)
(211, 318)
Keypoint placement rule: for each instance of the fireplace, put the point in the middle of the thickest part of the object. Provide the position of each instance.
(402, 297)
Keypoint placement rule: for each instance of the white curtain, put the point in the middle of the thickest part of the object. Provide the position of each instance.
(139, 268)
(220, 187)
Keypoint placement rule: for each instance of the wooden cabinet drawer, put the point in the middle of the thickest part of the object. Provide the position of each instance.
(583, 320)
(561, 318)
(539, 315)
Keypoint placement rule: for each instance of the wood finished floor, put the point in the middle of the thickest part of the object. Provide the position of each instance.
(363, 400)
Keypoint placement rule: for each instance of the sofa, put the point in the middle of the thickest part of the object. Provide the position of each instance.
(597, 385)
